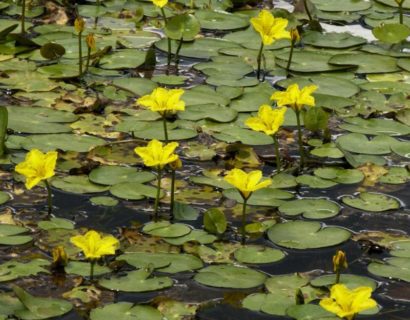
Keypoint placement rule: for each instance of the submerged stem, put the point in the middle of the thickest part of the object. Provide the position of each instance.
(277, 153)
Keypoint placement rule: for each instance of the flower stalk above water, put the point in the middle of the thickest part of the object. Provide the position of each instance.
(37, 167)
(79, 26)
(269, 121)
(296, 99)
(400, 4)
(294, 37)
(91, 45)
(339, 262)
(164, 102)
(246, 184)
(157, 155)
(270, 29)
(95, 247)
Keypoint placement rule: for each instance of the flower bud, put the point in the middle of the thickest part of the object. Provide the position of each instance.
(339, 261)
(177, 164)
(90, 40)
(79, 24)
(60, 257)
(294, 35)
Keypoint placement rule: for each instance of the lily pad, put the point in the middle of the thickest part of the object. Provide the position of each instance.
(375, 127)
(264, 197)
(351, 281)
(359, 143)
(229, 276)
(125, 311)
(56, 223)
(373, 202)
(255, 254)
(310, 208)
(340, 175)
(77, 184)
(166, 229)
(396, 267)
(13, 269)
(306, 235)
(111, 175)
(221, 20)
(133, 191)
(83, 269)
(10, 235)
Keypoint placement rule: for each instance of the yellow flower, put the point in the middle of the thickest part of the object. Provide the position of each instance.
(347, 303)
(162, 100)
(247, 183)
(339, 261)
(268, 120)
(93, 246)
(37, 166)
(157, 155)
(160, 3)
(294, 97)
(269, 27)
(79, 24)
(90, 40)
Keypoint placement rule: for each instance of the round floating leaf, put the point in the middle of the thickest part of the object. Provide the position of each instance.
(366, 63)
(264, 197)
(370, 201)
(221, 20)
(110, 175)
(65, 142)
(396, 175)
(166, 229)
(83, 269)
(13, 269)
(56, 223)
(123, 59)
(40, 308)
(345, 6)
(199, 236)
(134, 191)
(4, 197)
(306, 235)
(315, 182)
(184, 26)
(125, 311)
(401, 249)
(258, 254)
(77, 184)
(391, 32)
(215, 221)
(340, 175)
(351, 281)
(10, 235)
(104, 201)
(164, 262)
(310, 208)
(137, 281)
(229, 276)
(332, 40)
(396, 267)
(309, 312)
(375, 126)
(209, 111)
(52, 51)
(359, 143)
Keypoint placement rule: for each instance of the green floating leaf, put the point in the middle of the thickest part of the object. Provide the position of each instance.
(56, 223)
(306, 235)
(164, 262)
(397, 268)
(183, 211)
(83, 269)
(134, 191)
(315, 182)
(309, 312)
(229, 276)
(400, 249)
(137, 281)
(375, 126)
(166, 229)
(110, 175)
(371, 201)
(77, 184)
(125, 311)
(396, 175)
(221, 20)
(340, 175)
(184, 26)
(351, 281)
(104, 201)
(365, 63)
(269, 197)
(337, 40)
(255, 254)
(13, 269)
(11, 235)
(123, 59)
(345, 6)
(40, 308)
(215, 221)
(199, 236)
(391, 32)
(359, 143)
(310, 208)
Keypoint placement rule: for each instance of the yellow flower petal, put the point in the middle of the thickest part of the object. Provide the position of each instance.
(268, 120)
(93, 246)
(294, 97)
(246, 183)
(157, 155)
(162, 100)
(269, 27)
(160, 3)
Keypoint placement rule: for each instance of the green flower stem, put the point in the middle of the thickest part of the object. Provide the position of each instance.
(92, 264)
(80, 54)
(177, 52)
(307, 10)
(245, 200)
(87, 64)
(49, 197)
(172, 202)
(292, 46)
(401, 12)
(337, 276)
(164, 122)
(168, 39)
(23, 17)
(277, 154)
(300, 141)
(259, 60)
(156, 206)
(98, 11)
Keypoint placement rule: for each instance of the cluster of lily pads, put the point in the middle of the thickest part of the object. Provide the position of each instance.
(235, 137)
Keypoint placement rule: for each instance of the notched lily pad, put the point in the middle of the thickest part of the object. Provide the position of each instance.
(310, 208)
(370, 201)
